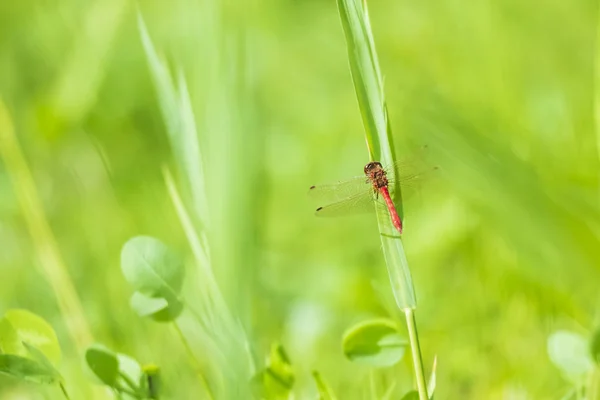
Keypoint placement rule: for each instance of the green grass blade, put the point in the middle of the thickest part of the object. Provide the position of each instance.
(369, 90)
(176, 108)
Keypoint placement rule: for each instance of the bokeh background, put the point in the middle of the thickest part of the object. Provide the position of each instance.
(502, 242)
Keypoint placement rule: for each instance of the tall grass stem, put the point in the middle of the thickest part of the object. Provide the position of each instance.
(415, 347)
(368, 84)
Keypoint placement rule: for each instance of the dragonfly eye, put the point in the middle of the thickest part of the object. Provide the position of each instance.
(373, 165)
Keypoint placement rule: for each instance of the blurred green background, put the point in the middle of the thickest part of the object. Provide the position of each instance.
(503, 243)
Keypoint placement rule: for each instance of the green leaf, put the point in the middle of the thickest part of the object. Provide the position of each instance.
(376, 343)
(157, 308)
(145, 306)
(365, 73)
(27, 369)
(569, 352)
(104, 363)
(31, 329)
(151, 267)
(277, 379)
(412, 395)
(325, 392)
(116, 370)
(129, 367)
(130, 376)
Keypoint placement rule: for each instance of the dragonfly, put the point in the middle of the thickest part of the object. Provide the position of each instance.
(376, 186)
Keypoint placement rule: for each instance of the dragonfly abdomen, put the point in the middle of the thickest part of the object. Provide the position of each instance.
(396, 221)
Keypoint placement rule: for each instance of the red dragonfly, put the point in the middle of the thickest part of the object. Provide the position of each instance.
(359, 193)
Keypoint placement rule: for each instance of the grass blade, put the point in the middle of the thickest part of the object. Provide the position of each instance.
(368, 84)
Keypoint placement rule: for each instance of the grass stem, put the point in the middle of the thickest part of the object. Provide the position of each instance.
(411, 323)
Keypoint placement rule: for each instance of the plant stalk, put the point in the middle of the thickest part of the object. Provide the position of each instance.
(413, 336)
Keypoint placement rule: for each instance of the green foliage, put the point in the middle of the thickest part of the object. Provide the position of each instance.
(121, 372)
(156, 273)
(107, 129)
(375, 343)
(29, 348)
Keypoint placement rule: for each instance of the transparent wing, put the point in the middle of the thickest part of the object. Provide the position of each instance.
(340, 191)
(361, 203)
(355, 195)
(411, 178)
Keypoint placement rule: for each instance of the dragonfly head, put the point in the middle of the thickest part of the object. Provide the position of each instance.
(372, 166)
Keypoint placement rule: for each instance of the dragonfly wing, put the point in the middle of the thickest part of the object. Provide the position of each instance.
(340, 191)
(411, 179)
(357, 204)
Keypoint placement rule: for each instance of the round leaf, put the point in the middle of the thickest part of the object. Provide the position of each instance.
(103, 363)
(145, 306)
(34, 331)
(376, 343)
(27, 369)
(130, 372)
(151, 267)
(129, 367)
(568, 351)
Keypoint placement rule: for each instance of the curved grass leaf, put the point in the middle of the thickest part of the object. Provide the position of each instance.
(376, 343)
(151, 267)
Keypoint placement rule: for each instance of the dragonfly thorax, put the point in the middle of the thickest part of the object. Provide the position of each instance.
(376, 175)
